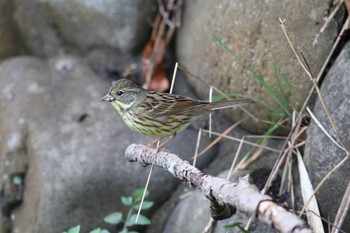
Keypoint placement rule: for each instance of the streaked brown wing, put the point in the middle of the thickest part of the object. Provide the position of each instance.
(157, 103)
(178, 106)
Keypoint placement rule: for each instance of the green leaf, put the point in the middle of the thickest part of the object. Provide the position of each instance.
(75, 229)
(227, 49)
(145, 205)
(275, 126)
(270, 91)
(238, 224)
(105, 231)
(97, 230)
(137, 194)
(17, 180)
(289, 87)
(114, 218)
(127, 201)
(282, 95)
(141, 221)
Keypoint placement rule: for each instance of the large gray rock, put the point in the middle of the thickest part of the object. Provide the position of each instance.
(118, 24)
(65, 148)
(321, 154)
(251, 30)
(50, 27)
(37, 33)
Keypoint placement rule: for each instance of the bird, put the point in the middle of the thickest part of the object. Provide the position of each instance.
(159, 114)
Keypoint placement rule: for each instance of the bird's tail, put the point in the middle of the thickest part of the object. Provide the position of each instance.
(228, 104)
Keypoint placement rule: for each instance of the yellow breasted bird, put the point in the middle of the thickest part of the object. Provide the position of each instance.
(159, 114)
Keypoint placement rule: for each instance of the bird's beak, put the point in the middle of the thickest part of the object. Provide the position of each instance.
(108, 98)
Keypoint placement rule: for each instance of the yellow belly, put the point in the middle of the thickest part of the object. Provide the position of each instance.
(165, 127)
(154, 126)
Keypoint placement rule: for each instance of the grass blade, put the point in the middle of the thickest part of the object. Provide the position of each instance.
(256, 76)
(281, 96)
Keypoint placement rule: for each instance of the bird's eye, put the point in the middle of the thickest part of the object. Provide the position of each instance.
(119, 93)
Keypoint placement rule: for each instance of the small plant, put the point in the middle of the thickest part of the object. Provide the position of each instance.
(75, 229)
(134, 202)
(238, 225)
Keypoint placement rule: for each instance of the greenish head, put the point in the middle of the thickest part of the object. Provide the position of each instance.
(122, 94)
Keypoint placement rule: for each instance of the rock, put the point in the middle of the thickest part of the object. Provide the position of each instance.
(251, 30)
(321, 154)
(68, 147)
(121, 25)
(106, 62)
(37, 33)
(194, 208)
(10, 42)
(50, 27)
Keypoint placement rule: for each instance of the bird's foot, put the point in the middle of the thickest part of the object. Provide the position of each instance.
(157, 147)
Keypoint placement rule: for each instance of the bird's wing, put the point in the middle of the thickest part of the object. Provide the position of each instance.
(175, 105)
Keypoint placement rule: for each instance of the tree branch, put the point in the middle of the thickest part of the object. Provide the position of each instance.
(225, 196)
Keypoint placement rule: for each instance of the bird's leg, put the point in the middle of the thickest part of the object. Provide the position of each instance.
(153, 143)
(159, 147)
(166, 141)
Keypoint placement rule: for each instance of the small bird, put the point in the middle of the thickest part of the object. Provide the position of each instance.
(158, 114)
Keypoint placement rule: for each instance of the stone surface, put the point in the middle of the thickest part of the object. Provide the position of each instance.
(118, 24)
(37, 33)
(251, 30)
(67, 147)
(50, 27)
(10, 41)
(321, 154)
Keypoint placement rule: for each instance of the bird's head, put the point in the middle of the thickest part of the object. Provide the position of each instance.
(122, 94)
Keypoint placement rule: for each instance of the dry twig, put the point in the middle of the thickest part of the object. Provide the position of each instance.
(242, 195)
